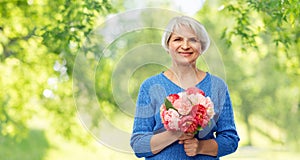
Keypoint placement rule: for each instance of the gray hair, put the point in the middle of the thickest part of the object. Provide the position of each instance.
(196, 26)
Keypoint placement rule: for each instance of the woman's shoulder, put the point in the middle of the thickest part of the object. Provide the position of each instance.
(154, 79)
(217, 81)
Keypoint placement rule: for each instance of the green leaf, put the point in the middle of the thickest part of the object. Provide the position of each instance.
(169, 105)
(199, 128)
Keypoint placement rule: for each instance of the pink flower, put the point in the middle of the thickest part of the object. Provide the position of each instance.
(187, 123)
(163, 111)
(209, 107)
(194, 90)
(207, 102)
(170, 118)
(197, 99)
(183, 105)
(187, 111)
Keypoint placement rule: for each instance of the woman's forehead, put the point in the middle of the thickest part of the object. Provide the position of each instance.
(184, 31)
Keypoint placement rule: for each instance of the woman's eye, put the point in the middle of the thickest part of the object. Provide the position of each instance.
(177, 39)
(193, 40)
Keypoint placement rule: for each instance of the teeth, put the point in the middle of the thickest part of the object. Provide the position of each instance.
(185, 52)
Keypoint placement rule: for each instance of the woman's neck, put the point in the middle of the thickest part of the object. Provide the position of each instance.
(184, 72)
(185, 76)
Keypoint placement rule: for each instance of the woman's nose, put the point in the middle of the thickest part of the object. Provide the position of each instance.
(185, 44)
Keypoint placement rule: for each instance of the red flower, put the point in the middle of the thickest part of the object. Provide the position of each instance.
(173, 97)
(201, 116)
(192, 128)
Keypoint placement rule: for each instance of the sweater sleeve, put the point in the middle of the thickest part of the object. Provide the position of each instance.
(226, 135)
(143, 124)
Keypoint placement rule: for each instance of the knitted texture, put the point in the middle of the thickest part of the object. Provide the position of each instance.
(147, 121)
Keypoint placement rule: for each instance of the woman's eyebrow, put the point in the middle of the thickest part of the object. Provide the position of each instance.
(176, 35)
(181, 36)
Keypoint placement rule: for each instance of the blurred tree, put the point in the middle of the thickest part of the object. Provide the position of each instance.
(38, 43)
(272, 21)
(262, 63)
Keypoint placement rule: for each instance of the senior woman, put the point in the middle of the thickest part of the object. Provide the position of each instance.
(185, 39)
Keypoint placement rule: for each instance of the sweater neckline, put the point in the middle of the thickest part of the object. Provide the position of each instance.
(197, 85)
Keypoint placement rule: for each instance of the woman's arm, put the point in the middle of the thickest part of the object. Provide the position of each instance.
(194, 146)
(162, 140)
(226, 133)
(144, 122)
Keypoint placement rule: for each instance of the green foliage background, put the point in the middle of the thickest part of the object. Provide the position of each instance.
(39, 40)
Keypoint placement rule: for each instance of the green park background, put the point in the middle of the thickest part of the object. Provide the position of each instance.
(255, 49)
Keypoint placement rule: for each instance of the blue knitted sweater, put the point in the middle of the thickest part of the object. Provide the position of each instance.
(147, 121)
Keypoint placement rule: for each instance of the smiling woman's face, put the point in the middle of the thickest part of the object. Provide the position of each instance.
(184, 46)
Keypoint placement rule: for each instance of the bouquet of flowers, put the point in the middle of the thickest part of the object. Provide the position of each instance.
(189, 111)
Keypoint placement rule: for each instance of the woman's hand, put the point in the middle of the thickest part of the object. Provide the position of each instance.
(191, 146)
(185, 136)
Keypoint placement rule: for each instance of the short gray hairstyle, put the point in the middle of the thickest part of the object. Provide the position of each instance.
(196, 26)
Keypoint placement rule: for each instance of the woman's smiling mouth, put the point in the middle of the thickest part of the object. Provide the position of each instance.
(185, 53)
